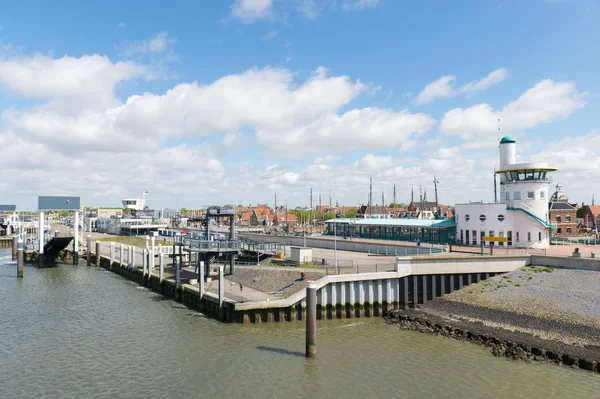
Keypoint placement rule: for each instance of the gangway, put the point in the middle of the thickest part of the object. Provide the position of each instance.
(53, 247)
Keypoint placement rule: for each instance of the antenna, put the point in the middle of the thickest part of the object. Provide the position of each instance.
(435, 183)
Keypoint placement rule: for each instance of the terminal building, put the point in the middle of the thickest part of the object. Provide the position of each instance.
(434, 231)
(520, 216)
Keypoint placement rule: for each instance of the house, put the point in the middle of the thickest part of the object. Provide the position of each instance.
(289, 220)
(589, 216)
(261, 216)
(563, 216)
(374, 212)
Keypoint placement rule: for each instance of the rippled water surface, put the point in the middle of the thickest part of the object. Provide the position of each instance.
(81, 332)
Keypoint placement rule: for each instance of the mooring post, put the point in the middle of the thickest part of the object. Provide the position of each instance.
(121, 248)
(201, 284)
(132, 257)
(221, 285)
(311, 319)
(14, 247)
(97, 253)
(144, 266)
(152, 254)
(177, 264)
(112, 255)
(89, 250)
(20, 258)
(161, 265)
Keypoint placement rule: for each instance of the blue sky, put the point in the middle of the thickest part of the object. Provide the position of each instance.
(204, 102)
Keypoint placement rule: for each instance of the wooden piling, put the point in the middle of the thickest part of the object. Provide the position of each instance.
(311, 319)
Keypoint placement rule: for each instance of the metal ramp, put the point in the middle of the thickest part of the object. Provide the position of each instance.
(53, 247)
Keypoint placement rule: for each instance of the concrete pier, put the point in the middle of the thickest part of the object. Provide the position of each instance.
(311, 319)
(14, 247)
(97, 253)
(20, 258)
(112, 255)
(161, 265)
(89, 250)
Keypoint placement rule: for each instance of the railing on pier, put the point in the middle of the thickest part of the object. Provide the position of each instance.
(406, 251)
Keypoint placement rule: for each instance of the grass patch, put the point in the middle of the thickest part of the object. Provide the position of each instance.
(135, 241)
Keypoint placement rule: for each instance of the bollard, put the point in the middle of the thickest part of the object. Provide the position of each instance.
(20, 259)
(177, 265)
(112, 255)
(132, 257)
(144, 264)
(97, 253)
(311, 319)
(89, 250)
(121, 250)
(221, 286)
(15, 245)
(161, 265)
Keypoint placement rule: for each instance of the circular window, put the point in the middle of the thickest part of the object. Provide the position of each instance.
(467, 217)
(501, 218)
(482, 218)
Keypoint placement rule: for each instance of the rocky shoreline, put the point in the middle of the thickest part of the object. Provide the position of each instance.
(503, 343)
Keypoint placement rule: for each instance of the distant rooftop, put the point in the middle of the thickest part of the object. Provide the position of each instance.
(434, 223)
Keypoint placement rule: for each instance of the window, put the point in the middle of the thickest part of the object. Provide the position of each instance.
(467, 217)
(558, 219)
(492, 233)
(542, 194)
(461, 236)
(540, 236)
(529, 236)
(507, 195)
(501, 218)
(568, 230)
(517, 236)
(568, 218)
(482, 218)
(474, 237)
(559, 231)
(517, 195)
(531, 195)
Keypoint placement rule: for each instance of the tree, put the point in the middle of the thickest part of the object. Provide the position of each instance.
(184, 211)
(350, 212)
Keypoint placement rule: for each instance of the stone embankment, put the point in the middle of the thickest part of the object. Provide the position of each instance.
(534, 313)
(502, 343)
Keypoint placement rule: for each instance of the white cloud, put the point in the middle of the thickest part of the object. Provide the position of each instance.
(308, 8)
(373, 163)
(90, 79)
(121, 26)
(325, 159)
(156, 44)
(251, 10)
(270, 35)
(444, 88)
(359, 4)
(545, 102)
(357, 129)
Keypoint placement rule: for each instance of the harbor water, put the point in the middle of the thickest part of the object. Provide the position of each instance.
(78, 331)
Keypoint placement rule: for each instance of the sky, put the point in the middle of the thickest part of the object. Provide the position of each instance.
(204, 102)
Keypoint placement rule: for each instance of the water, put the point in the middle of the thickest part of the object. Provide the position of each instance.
(76, 331)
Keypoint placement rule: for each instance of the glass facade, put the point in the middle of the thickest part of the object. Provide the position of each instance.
(432, 235)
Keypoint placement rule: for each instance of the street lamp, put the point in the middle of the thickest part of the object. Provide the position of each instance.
(335, 261)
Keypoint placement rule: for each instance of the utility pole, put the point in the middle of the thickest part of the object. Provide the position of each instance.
(311, 207)
(383, 207)
(435, 183)
(412, 201)
(370, 197)
(395, 214)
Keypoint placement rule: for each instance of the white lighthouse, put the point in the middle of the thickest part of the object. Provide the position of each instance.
(521, 215)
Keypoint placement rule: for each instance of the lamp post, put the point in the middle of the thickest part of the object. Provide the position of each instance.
(335, 261)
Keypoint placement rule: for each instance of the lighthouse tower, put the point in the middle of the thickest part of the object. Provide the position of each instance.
(520, 218)
(523, 186)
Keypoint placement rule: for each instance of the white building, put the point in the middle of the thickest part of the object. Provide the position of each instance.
(521, 215)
